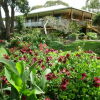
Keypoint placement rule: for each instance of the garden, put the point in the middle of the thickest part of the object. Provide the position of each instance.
(39, 67)
(49, 53)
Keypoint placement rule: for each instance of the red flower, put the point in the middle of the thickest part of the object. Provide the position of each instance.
(98, 58)
(24, 97)
(4, 80)
(50, 76)
(40, 61)
(1, 41)
(12, 50)
(42, 46)
(64, 84)
(48, 59)
(49, 64)
(36, 54)
(96, 82)
(62, 59)
(47, 99)
(89, 51)
(34, 60)
(83, 76)
(6, 56)
(26, 50)
(43, 67)
(50, 50)
(78, 55)
(67, 55)
(30, 52)
(23, 58)
(64, 70)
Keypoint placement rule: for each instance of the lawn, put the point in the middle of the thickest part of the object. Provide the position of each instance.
(85, 45)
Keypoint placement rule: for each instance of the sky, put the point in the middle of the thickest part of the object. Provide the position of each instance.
(73, 3)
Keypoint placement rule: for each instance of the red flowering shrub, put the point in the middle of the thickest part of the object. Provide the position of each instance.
(6, 56)
(70, 74)
(50, 76)
(64, 84)
(96, 82)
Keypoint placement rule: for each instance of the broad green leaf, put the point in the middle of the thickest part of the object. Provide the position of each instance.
(32, 76)
(9, 64)
(20, 67)
(37, 89)
(43, 79)
(2, 52)
(14, 79)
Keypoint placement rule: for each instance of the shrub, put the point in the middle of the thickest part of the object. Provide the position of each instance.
(72, 36)
(20, 23)
(92, 35)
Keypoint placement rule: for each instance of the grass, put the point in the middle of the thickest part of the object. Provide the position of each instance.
(85, 45)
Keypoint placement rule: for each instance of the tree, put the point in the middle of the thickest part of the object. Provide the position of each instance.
(36, 7)
(56, 2)
(50, 3)
(96, 20)
(92, 5)
(63, 25)
(22, 5)
(2, 27)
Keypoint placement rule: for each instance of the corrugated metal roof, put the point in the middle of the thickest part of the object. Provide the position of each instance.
(52, 8)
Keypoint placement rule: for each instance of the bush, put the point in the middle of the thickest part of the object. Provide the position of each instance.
(72, 36)
(92, 35)
(20, 23)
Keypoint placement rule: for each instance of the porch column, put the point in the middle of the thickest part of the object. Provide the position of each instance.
(82, 15)
(71, 13)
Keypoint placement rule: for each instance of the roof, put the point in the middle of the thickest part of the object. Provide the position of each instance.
(54, 8)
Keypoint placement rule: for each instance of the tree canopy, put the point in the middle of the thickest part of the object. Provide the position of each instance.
(97, 20)
(50, 3)
(92, 5)
(21, 5)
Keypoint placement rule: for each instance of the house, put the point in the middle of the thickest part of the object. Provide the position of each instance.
(35, 17)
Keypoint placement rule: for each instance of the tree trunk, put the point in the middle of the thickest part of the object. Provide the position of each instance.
(12, 16)
(7, 19)
(2, 27)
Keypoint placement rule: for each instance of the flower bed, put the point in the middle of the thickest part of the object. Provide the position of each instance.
(48, 74)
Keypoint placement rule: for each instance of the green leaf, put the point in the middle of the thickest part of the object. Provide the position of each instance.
(37, 89)
(10, 65)
(32, 76)
(20, 67)
(14, 79)
(2, 52)
(43, 79)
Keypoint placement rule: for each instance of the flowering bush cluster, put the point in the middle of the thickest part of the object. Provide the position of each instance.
(48, 74)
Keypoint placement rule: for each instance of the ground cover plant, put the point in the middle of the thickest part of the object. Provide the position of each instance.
(44, 73)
